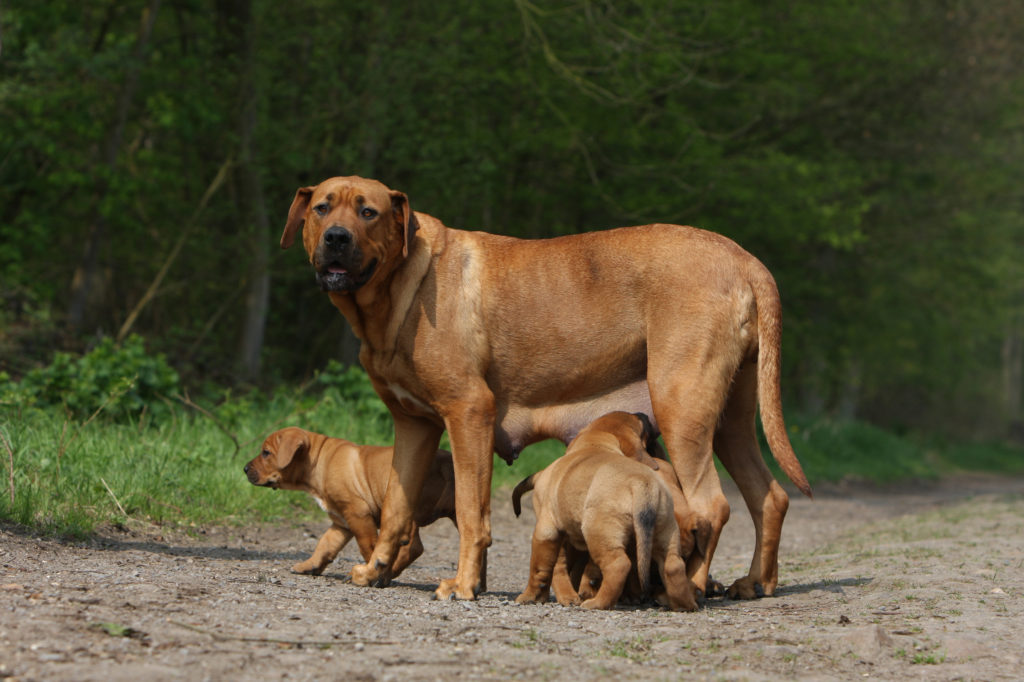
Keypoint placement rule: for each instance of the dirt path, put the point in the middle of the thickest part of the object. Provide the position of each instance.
(924, 582)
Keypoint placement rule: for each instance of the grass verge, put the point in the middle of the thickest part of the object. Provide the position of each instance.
(66, 476)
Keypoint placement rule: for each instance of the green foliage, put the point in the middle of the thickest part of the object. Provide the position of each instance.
(868, 154)
(124, 380)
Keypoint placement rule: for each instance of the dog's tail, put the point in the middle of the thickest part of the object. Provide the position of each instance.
(525, 486)
(644, 519)
(769, 391)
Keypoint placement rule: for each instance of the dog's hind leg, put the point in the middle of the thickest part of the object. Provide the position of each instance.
(737, 447)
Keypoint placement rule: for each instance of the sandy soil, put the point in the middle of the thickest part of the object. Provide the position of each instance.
(923, 582)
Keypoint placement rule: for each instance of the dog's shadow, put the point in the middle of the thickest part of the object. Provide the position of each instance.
(221, 552)
(836, 585)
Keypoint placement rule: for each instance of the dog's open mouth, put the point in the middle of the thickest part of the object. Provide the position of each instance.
(336, 277)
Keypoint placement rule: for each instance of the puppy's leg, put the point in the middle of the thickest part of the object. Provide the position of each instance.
(590, 580)
(615, 568)
(561, 579)
(327, 548)
(546, 544)
(415, 446)
(680, 593)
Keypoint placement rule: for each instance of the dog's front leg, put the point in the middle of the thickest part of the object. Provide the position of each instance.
(471, 430)
(416, 443)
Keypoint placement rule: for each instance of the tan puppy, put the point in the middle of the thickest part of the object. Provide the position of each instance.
(594, 499)
(505, 342)
(349, 482)
(694, 531)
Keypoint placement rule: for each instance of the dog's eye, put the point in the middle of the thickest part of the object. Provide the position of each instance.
(265, 453)
(368, 212)
(322, 208)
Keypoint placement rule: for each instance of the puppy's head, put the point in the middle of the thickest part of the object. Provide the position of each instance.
(632, 431)
(353, 229)
(283, 459)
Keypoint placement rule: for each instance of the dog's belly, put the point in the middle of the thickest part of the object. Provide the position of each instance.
(520, 425)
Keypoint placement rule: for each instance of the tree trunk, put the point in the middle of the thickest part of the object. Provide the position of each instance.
(87, 284)
(252, 207)
(1013, 375)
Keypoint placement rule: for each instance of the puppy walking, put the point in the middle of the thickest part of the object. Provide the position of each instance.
(598, 500)
(349, 481)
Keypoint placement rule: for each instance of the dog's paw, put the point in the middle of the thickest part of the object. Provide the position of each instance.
(745, 588)
(449, 589)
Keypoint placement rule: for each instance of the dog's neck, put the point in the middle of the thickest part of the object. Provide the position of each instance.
(377, 310)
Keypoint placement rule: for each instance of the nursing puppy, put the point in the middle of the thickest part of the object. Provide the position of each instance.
(694, 532)
(349, 482)
(597, 499)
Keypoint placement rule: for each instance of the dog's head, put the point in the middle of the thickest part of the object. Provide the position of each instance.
(353, 229)
(283, 459)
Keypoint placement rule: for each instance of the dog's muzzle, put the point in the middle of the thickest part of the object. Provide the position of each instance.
(339, 262)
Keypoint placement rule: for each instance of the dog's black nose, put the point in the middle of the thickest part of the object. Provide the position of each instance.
(337, 237)
(246, 468)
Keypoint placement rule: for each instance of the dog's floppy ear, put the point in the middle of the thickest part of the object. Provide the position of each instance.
(296, 215)
(291, 443)
(405, 217)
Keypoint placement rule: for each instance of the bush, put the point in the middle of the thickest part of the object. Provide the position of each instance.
(123, 379)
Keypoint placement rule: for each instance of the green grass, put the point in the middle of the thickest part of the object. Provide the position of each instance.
(184, 467)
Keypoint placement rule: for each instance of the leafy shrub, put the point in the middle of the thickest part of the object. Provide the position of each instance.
(352, 385)
(123, 379)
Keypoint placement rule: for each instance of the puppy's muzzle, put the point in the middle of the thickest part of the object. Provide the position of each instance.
(254, 477)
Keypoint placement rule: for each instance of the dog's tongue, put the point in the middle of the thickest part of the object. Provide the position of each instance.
(336, 270)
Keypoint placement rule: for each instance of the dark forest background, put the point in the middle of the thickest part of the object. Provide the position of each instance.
(870, 153)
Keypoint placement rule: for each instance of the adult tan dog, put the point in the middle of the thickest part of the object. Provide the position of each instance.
(505, 342)
(349, 481)
(595, 500)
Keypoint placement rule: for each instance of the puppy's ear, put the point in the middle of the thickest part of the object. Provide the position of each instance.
(291, 444)
(635, 445)
(296, 215)
(405, 218)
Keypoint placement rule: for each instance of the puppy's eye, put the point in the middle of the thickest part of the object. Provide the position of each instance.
(265, 453)
(368, 212)
(322, 208)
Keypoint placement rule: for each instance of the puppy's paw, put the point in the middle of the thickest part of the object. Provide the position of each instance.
(364, 575)
(525, 598)
(307, 568)
(715, 588)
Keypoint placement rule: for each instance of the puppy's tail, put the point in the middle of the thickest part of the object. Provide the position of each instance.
(769, 393)
(525, 486)
(644, 519)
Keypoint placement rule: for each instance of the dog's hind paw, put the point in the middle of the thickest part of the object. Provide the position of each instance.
(448, 589)
(746, 588)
